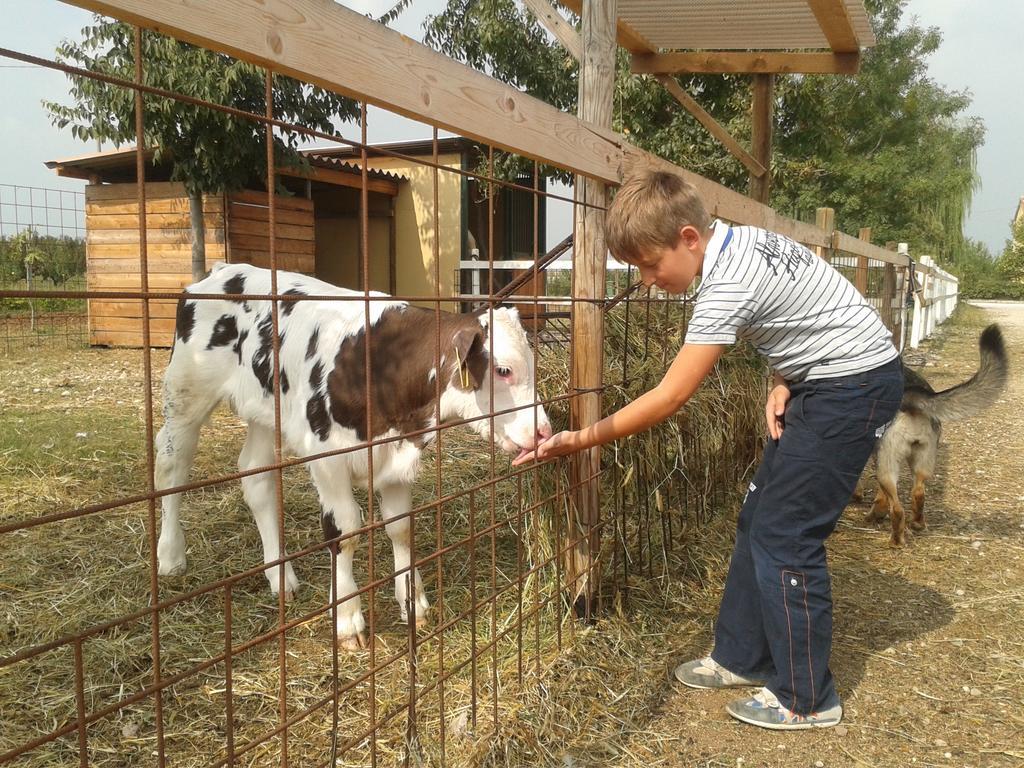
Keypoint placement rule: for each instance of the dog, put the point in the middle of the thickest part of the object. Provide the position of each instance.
(913, 435)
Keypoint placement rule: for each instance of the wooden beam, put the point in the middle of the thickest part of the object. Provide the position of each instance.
(825, 220)
(834, 20)
(860, 280)
(761, 117)
(556, 25)
(595, 102)
(341, 179)
(744, 62)
(711, 125)
(328, 45)
(625, 35)
(849, 244)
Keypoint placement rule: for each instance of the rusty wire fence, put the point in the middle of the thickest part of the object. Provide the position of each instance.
(104, 661)
(42, 250)
(122, 666)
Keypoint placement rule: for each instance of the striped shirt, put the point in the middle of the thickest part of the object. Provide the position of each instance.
(805, 318)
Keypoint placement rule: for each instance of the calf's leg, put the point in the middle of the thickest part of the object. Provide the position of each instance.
(341, 517)
(185, 412)
(395, 504)
(260, 494)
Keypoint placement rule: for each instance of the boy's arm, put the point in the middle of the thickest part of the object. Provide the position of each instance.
(692, 364)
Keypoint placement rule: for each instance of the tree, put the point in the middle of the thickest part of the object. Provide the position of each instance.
(208, 150)
(1011, 262)
(888, 149)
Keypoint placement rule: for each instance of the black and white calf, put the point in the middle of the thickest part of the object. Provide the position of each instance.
(222, 351)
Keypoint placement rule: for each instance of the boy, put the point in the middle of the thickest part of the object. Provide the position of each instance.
(837, 383)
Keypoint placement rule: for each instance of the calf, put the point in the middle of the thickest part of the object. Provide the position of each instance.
(222, 351)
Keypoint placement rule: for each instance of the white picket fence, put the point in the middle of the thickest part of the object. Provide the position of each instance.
(934, 300)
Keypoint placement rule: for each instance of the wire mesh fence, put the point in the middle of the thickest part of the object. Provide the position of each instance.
(405, 589)
(42, 251)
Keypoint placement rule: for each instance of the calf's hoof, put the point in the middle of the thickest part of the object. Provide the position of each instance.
(897, 542)
(172, 567)
(291, 583)
(422, 618)
(918, 525)
(356, 642)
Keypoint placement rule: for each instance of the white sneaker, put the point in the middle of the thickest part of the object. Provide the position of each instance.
(765, 711)
(708, 673)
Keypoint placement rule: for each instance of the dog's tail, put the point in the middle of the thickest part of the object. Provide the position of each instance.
(975, 394)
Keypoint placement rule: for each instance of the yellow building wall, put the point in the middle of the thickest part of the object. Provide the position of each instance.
(415, 227)
(338, 248)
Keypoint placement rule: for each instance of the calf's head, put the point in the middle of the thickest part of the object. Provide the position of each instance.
(496, 355)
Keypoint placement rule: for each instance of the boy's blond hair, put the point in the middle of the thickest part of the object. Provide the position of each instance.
(648, 211)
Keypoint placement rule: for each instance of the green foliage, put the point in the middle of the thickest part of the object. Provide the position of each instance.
(56, 259)
(1011, 263)
(208, 150)
(57, 263)
(980, 276)
(888, 149)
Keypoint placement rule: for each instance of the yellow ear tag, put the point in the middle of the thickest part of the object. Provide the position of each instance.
(463, 370)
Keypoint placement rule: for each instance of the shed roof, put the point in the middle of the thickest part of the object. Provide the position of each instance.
(742, 36)
(118, 165)
(784, 25)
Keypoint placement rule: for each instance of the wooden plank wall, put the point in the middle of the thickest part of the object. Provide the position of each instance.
(113, 263)
(112, 249)
(249, 231)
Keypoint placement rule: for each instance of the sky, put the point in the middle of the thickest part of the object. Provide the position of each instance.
(981, 52)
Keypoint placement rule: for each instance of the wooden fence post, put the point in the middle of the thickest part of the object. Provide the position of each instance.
(596, 86)
(825, 218)
(888, 292)
(899, 332)
(861, 276)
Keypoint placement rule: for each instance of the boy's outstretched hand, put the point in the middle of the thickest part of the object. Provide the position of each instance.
(561, 444)
(775, 410)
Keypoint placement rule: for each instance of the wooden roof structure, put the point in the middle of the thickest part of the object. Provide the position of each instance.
(118, 165)
(757, 37)
(737, 36)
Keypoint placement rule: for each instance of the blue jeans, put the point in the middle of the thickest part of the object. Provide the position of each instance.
(775, 621)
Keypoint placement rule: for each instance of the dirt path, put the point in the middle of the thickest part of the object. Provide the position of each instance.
(929, 639)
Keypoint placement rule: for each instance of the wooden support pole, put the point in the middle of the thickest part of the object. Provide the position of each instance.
(861, 276)
(825, 218)
(761, 116)
(888, 294)
(596, 86)
(554, 23)
(712, 126)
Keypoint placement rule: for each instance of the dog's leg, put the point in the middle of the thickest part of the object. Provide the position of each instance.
(888, 497)
(917, 521)
(922, 465)
(898, 520)
(880, 508)
(887, 474)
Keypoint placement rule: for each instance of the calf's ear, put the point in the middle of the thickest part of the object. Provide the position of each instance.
(472, 358)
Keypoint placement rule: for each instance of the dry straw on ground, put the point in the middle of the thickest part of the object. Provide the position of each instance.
(907, 641)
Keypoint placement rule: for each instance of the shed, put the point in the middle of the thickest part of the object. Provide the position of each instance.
(317, 227)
